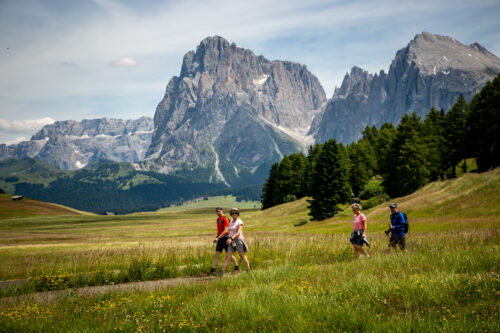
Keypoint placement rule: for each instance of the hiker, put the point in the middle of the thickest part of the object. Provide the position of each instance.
(235, 241)
(221, 239)
(358, 236)
(397, 226)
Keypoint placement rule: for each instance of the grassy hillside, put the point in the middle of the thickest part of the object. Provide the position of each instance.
(304, 277)
(27, 208)
(100, 187)
(27, 170)
(226, 202)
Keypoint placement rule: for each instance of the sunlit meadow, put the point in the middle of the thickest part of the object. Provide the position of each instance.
(147, 272)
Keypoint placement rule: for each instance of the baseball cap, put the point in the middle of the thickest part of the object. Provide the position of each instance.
(393, 205)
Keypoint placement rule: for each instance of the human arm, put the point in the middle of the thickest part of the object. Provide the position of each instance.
(222, 234)
(237, 234)
(363, 222)
(399, 222)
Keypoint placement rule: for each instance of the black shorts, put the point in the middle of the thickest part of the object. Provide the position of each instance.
(221, 244)
(356, 237)
(398, 239)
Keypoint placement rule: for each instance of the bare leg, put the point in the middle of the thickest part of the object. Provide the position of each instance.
(233, 259)
(356, 253)
(216, 260)
(363, 251)
(244, 259)
(226, 261)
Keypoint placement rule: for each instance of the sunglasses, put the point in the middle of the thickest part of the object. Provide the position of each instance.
(234, 213)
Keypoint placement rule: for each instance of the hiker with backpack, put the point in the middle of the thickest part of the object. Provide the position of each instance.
(358, 236)
(236, 242)
(221, 239)
(398, 228)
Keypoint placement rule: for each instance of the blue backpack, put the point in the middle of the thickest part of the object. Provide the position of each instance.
(406, 227)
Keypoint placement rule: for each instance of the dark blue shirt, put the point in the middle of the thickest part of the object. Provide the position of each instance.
(398, 222)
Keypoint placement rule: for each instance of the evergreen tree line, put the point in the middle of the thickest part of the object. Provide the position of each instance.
(406, 157)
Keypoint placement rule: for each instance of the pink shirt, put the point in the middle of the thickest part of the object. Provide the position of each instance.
(358, 221)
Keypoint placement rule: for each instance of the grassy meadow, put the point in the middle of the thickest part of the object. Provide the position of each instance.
(146, 272)
(223, 201)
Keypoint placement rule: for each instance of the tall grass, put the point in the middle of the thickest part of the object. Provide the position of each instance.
(304, 276)
(447, 281)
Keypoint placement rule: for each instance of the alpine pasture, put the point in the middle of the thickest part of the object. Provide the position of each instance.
(66, 271)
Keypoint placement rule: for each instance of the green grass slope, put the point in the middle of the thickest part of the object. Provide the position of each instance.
(226, 202)
(29, 208)
(28, 170)
(441, 205)
(304, 277)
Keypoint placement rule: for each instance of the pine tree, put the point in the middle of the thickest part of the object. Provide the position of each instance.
(268, 189)
(483, 125)
(330, 181)
(362, 163)
(312, 157)
(383, 142)
(433, 139)
(298, 175)
(454, 133)
(284, 183)
(406, 168)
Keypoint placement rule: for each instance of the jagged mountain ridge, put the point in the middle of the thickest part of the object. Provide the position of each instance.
(231, 112)
(432, 71)
(71, 144)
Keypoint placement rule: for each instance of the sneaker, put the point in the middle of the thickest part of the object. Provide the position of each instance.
(236, 268)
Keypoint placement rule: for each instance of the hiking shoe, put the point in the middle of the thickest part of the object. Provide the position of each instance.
(212, 271)
(236, 268)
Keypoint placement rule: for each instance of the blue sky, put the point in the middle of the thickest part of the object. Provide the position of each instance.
(86, 59)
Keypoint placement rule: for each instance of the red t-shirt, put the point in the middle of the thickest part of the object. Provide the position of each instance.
(222, 222)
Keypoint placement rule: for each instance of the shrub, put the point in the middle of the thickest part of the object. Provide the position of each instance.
(374, 201)
(371, 191)
(289, 198)
(301, 222)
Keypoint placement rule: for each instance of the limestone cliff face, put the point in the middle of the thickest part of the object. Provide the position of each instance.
(71, 144)
(231, 111)
(432, 71)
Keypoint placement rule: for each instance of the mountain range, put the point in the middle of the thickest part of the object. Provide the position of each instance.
(230, 113)
(71, 145)
(431, 71)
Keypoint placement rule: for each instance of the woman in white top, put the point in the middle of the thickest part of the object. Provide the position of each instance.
(236, 242)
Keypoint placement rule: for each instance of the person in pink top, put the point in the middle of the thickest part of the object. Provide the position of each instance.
(358, 236)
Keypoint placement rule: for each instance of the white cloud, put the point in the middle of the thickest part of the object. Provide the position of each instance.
(24, 125)
(156, 34)
(124, 62)
(15, 141)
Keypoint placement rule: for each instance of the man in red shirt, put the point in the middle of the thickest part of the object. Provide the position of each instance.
(221, 239)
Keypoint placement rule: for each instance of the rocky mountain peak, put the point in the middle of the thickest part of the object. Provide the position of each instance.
(431, 71)
(73, 144)
(223, 88)
(434, 54)
(354, 83)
